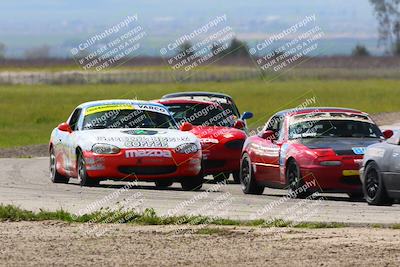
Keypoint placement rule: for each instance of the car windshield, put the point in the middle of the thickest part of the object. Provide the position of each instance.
(128, 119)
(231, 107)
(201, 114)
(226, 104)
(334, 128)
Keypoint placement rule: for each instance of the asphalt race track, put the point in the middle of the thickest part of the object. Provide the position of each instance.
(26, 183)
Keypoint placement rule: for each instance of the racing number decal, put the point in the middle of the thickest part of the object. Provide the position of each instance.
(359, 150)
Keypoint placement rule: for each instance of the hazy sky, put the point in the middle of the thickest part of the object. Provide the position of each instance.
(59, 22)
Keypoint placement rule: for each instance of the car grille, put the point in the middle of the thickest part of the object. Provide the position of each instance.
(351, 180)
(147, 170)
(235, 144)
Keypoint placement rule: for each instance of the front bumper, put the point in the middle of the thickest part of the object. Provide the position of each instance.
(123, 166)
(218, 159)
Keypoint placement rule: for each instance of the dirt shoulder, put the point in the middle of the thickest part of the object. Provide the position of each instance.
(25, 151)
(386, 118)
(58, 243)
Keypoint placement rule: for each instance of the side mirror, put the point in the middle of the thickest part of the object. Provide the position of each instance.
(239, 124)
(247, 115)
(186, 126)
(268, 135)
(64, 127)
(387, 134)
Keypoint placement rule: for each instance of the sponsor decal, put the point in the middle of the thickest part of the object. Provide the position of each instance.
(144, 141)
(94, 160)
(148, 153)
(359, 150)
(147, 142)
(228, 135)
(141, 132)
(102, 108)
(97, 167)
(375, 152)
(330, 116)
(209, 140)
(153, 108)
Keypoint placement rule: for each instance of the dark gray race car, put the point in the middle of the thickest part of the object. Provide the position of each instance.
(380, 172)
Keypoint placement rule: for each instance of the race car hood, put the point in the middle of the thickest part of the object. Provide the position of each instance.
(218, 132)
(136, 138)
(342, 146)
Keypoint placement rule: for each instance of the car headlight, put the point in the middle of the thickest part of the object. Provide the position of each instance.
(105, 149)
(187, 148)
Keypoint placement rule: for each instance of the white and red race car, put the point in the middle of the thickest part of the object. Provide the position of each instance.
(125, 140)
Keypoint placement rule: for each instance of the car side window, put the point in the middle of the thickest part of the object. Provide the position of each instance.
(275, 124)
(282, 131)
(73, 121)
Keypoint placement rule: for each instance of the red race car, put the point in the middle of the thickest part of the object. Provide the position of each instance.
(124, 140)
(225, 101)
(308, 150)
(219, 133)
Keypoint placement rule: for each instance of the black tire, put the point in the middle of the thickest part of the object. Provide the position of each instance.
(193, 183)
(83, 177)
(55, 176)
(374, 187)
(247, 179)
(220, 177)
(163, 183)
(236, 177)
(294, 180)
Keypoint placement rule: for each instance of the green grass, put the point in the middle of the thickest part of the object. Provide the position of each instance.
(213, 231)
(147, 217)
(13, 213)
(396, 226)
(317, 225)
(28, 113)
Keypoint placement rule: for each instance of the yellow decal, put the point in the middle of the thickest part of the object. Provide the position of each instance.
(351, 172)
(103, 108)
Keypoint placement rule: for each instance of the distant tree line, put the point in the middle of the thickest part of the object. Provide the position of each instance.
(235, 48)
(2, 51)
(388, 14)
(38, 52)
(360, 51)
(31, 53)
